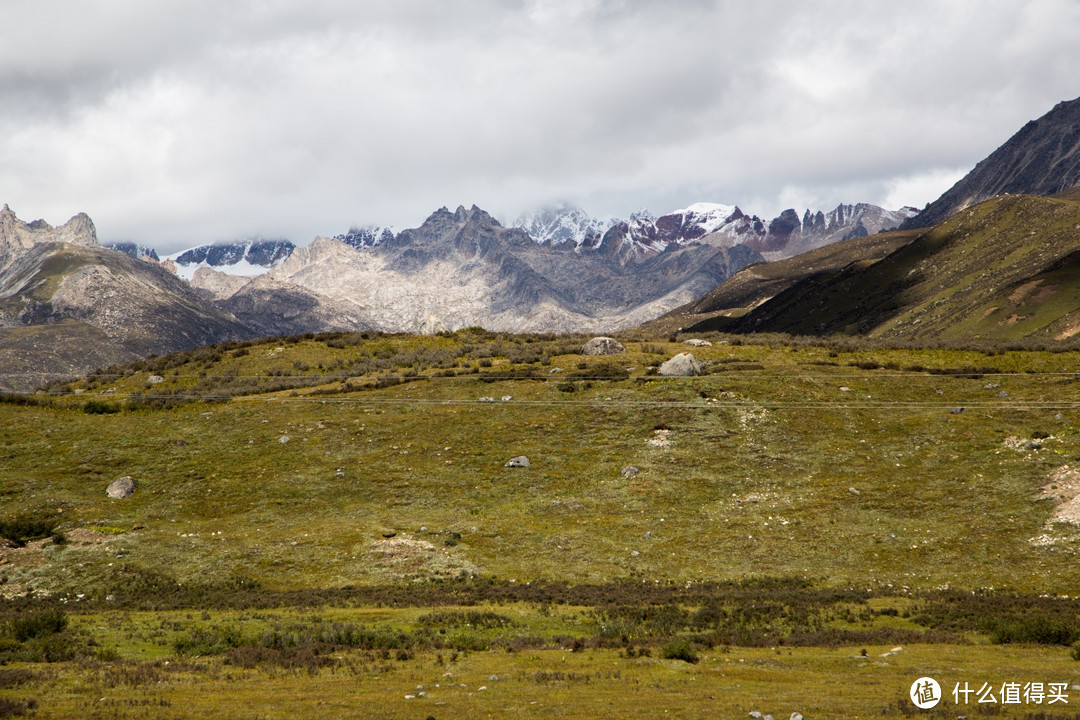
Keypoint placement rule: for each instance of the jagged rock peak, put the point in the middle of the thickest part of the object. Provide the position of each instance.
(17, 236)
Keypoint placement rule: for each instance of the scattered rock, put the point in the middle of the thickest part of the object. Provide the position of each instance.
(634, 553)
(121, 488)
(854, 491)
(630, 471)
(845, 388)
(956, 411)
(155, 379)
(697, 342)
(796, 716)
(493, 678)
(660, 438)
(755, 714)
(283, 439)
(603, 346)
(507, 398)
(486, 398)
(433, 326)
(518, 462)
(682, 365)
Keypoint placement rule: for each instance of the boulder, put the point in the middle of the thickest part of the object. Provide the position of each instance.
(121, 488)
(433, 326)
(629, 471)
(603, 346)
(518, 462)
(682, 365)
(697, 342)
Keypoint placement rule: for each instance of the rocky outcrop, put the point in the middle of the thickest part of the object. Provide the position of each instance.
(682, 365)
(121, 488)
(1043, 158)
(603, 346)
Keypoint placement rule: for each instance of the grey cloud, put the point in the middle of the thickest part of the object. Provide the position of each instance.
(177, 123)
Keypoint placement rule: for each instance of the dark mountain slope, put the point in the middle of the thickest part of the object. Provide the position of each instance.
(1003, 270)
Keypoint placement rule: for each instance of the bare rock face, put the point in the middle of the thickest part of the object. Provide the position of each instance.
(216, 284)
(682, 365)
(603, 346)
(121, 488)
(17, 236)
(433, 326)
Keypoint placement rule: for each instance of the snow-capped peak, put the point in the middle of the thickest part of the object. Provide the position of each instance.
(245, 257)
(367, 236)
(562, 222)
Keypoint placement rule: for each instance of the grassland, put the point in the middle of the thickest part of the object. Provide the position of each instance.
(793, 506)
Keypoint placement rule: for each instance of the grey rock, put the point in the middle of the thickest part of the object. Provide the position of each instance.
(603, 346)
(796, 716)
(854, 491)
(682, 365)
(155, 379)
(697, 342)
(630, 471)
(283, 439)
(121, 488)
(518, 462)
(956, 411)
(755, 714)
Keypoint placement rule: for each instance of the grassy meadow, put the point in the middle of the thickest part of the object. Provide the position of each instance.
(322, 524)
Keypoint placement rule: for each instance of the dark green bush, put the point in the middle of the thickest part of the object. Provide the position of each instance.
(100, 407)
(38, 625)
(681, 649)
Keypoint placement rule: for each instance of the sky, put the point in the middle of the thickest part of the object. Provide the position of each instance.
(174, 123)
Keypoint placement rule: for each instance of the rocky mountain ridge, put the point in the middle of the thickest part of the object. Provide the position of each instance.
(465, 268)
(1042, 158)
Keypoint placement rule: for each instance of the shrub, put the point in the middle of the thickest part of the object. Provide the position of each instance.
(681, 649)
(38, 625)
(100, 407)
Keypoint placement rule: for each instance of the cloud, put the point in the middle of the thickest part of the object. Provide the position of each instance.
(176, 123)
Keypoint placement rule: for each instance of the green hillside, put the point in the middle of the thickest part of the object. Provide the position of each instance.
(1003, 270)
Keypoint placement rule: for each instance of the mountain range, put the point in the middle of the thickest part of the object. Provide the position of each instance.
(1003, 269)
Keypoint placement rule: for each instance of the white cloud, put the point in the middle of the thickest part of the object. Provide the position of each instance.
(181, 122)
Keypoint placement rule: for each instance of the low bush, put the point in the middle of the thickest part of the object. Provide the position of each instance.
(681, 649)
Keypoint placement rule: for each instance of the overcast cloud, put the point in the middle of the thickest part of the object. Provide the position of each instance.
(179, 122)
